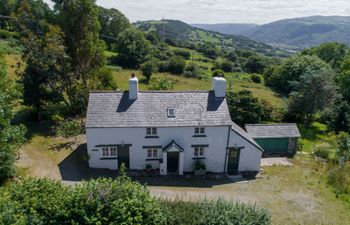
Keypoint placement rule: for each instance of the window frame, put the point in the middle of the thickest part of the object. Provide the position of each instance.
(173, 115)
(199, 151)
(109, 152)
(151, 131)
(199, 130)
(154, 153)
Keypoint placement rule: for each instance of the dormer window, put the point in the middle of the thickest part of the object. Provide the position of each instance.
(171, 112)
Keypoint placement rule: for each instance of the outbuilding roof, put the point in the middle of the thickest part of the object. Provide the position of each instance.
(289, 130)
(150, 109)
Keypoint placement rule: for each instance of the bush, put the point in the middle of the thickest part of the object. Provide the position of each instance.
(199, 165)
(215, 213)
(162, 83)
(322, 152)
(183, 53)
(148, 68)
(256, 78)
(226, 66)
(102, 201)
(176, 65)
(192, 70)
(67, 127)
(218, 72)
(339, 178)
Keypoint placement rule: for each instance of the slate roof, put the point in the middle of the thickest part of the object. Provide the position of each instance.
(171, 144)
(193, 108)
(245, 135)
(273, 130)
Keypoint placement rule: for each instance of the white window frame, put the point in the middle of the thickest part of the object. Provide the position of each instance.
(171, 112)
(108, 152)
(153, 153)
(151, 131)
(199, 151)
(199, 130)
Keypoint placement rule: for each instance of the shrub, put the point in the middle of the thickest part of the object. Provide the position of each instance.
(256, 78)
(176, 65)
(199, 165)
(162, 83)
(183, 53)
(339, 178)
(226, 66)
(148, 68)
(322, 152)
(192, 70)
(68, 127)
(214, 212)
(218, 72)
(102, 201)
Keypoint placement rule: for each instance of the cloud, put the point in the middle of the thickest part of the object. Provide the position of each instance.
(226, 11)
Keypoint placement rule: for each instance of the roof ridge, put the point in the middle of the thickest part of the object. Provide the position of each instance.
(152, 91)
(272, 124)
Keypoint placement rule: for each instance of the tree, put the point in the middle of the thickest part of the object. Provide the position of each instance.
(332, 53)
(245, 108)
(226, 66)
(337, 116)
(344, 78)
(255, 64)
(312, 94)
(46, 62)
(79, 21)
(113, 22)
(281, 77)
(208, 49)
(148, 68)
(132, 48)
(11, 137)
(176, 65)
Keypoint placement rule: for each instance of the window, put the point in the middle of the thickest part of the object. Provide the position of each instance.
(199, 130)
(151, 131)
(109, 152)
(199, 151)
(152, 153)
(105, 152)
(113, 151)
(171, 112)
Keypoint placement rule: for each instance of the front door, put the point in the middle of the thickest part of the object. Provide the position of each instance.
(123, 156)
(233, 161)
(173, 162)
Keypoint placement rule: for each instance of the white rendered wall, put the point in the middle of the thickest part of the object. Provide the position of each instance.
(215, 154)
(250, 155)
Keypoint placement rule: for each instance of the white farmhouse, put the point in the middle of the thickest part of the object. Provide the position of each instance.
(169, 130)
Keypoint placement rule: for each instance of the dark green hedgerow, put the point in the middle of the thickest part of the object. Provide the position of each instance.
(107, 201)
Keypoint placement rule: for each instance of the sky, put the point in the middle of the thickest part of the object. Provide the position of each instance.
(226, 11)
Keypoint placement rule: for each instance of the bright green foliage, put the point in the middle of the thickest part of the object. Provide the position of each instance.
(132, 48)
(11, 137)
(103, 79)
(176, 65)
(148, 68)
(218, 72)
(256, 78)
(291, 70)
(102, 201)
(192, 70)
(162, 83)
(332, 53)
(313, 93)
(209, 50)
(218, 212)
(245, 109)
(184, 53)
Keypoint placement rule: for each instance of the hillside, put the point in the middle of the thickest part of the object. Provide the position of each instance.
(227, 28)
(297, 33)
(182, 32)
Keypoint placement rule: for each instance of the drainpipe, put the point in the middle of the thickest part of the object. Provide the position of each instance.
(228, 140)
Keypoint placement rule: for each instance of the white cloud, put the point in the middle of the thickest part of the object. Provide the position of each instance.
(226, 11)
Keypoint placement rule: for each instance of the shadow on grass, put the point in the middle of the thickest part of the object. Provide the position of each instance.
(75, 168)
(314, 132)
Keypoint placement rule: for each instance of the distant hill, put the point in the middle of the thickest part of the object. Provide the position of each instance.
(227, 28)
(185, 33)
(297, 33)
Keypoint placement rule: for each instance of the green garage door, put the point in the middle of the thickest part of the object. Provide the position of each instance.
(273, 145)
